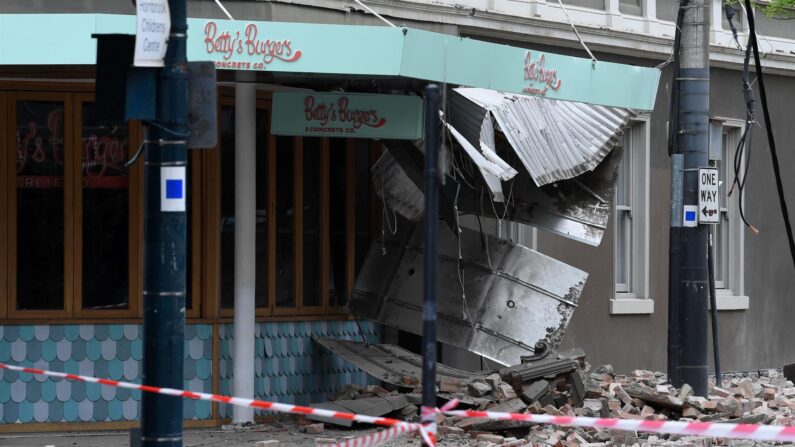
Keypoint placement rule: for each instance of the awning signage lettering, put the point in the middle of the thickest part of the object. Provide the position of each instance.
(539, 78)
(247, 48)
(347, 115)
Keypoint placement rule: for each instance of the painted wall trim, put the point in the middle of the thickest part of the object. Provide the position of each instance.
(631, 306)
(726, 302)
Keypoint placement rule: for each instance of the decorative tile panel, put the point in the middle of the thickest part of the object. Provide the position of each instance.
(111, 351)
(289, 366)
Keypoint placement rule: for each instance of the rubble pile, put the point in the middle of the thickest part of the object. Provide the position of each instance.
(566, 386)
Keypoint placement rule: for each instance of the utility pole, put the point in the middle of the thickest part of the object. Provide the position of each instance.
(693, 137)
(430, 258)
(165, 228)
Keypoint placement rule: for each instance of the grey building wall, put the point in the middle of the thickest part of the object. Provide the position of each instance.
(753, 338)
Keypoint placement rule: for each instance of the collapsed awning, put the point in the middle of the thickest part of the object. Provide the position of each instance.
(515, 297)
(554, 140)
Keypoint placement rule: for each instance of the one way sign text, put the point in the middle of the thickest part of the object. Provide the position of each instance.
(709, 208)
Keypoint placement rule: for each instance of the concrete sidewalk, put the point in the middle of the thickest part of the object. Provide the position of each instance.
(285, 432)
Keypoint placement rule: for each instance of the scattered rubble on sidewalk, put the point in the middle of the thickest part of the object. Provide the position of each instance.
(563, 384)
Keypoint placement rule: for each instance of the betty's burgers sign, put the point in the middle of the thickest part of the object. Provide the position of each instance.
(347, 115)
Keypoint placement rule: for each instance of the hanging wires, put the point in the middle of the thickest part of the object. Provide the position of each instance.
(769, 127)
(673, 108)
(384, 212)
(577, 33)
(742, 152)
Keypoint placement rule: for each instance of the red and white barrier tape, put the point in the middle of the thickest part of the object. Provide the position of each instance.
(705, 429)
(398, 427)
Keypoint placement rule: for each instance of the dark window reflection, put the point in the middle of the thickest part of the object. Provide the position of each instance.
(40, 204)
(363, 202)
(312, 216)
(261, 287)
(285, 220)
(227, 136)
(337, 264)
(105, 213)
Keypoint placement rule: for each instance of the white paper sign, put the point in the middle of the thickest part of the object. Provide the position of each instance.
(151, 33)
(708, 206)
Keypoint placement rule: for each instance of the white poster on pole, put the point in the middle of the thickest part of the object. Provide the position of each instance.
(151, 32)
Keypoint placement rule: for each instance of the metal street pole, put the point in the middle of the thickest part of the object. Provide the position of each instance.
(430, 258)
(165, 231)
(674, 259)
(693, 143)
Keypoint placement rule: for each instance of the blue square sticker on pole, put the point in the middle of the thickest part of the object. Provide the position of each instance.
(172, 188)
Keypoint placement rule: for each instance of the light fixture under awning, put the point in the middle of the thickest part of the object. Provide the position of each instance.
(555, 140)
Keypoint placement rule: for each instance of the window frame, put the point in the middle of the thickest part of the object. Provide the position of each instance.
(4, 174)
(135, 221)
(636, 299)
(69, 175)
(212, 211)
(731, 294)
(73, 95)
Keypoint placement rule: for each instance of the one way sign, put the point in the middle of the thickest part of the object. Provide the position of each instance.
(708, 206)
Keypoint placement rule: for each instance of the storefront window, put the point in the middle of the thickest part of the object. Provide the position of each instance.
(364, 200)
(261, 288)
(105, 181)
(227, 139)
(40, 157)
(285, 223)
(337, 220)
(312, 177)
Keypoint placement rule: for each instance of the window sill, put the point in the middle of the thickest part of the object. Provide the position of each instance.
(631, 305)
(730, 302)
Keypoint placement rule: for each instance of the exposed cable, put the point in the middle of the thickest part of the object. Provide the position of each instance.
(769, 127)
(577, 33)
(220, 5)
(728, 11)
(358, 2)
(743, 150)
(673, 107)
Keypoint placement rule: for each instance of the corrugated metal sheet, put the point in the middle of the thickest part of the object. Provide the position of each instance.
(555, 140)
(578, 208)
(515, 296)
(396, 188)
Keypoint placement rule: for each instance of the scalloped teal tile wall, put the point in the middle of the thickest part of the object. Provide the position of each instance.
(102, 350)
(290, 367)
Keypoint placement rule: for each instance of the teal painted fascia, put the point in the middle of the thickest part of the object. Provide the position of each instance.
(65, 39)
(467, 62)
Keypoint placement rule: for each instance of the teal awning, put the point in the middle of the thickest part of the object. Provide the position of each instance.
(65, 39)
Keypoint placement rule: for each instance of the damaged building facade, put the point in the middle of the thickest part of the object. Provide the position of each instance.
(590, 272)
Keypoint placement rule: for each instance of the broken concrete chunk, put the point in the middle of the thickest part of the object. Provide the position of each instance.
(447, 385)
(504, 392)
(685, 391)
(478, 388)
(268, 443)
(619, 392)
(494, 380)
(535, 391)
(494, 439)
(313, 429)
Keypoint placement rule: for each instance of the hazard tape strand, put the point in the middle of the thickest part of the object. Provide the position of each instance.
(397, 427)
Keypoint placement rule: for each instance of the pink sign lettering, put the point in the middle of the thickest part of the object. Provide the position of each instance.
(338, 113)
(540, 78)
(233, 45)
